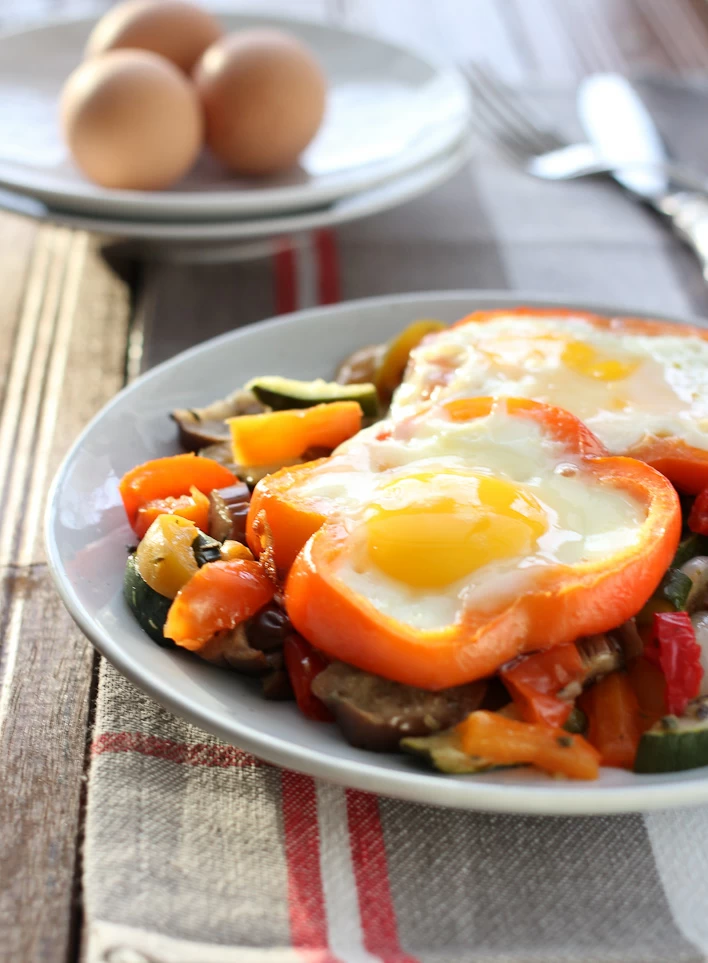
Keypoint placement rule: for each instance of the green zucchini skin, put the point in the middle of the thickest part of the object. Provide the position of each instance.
(281, 393)
(443, 751)
(675, 588)
(148, 606)
(676, 744)
(689, 548)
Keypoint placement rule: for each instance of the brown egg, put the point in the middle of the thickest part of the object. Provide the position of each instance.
(131, 120)
(264, 97)
(179, 31)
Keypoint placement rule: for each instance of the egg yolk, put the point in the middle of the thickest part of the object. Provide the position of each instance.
(585, 360)
(436, 539)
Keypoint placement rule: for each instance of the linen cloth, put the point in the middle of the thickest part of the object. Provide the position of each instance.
(196, 852)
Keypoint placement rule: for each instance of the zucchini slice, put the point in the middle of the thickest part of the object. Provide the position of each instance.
(282, 393)
(443, 751)
(676, 743)
(670, 596)
(688, 548)
(148, 606)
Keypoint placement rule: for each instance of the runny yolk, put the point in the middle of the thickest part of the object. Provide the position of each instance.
(436, 538)
(585, 360)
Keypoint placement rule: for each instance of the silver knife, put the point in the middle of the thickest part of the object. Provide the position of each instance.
(622, 131)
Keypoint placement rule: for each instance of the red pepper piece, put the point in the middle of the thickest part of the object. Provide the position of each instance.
(698, 517)
(674, 649)
(304, 664)
(534, 682)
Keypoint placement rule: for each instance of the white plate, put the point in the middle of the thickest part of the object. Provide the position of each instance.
(87, 535)
(381, 197)
(389, 110)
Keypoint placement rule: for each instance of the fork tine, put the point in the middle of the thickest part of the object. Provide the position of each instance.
(486, 122)
(530, 137)
(499, 127)
(523, 121)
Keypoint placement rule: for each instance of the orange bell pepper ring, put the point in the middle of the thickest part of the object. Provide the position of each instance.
(684, 463)
(292, 517)
(279, 436)
(170, 477)
(563, 603)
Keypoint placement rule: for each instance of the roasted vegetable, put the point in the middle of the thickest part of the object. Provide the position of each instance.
(534, 681)
(673, 647)
(283, 393)
(507, 742)
(614, 724)
(361, 366)
(696, 570)
(676, 743)
(698, 516)
(148, 606)
(374, 713)
(199, 427)
(230, 648)
(600, 655)
(275, 437)
(390, 371)
(228, 509)
(305, 665)
(688, 548)
(444, 752)
(671, 595)
(206, 549)
(163, 478)
(165, 557)
(217, 598)
(194, 506)
(275, 686)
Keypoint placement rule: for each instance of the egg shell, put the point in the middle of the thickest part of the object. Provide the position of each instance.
(264, 99)
(179, 31)
(131, 120)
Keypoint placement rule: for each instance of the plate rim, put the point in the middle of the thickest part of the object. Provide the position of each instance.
(419, 180)
(414, 786)
(161, 204)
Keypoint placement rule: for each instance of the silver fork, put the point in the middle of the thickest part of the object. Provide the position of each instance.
(508, 123)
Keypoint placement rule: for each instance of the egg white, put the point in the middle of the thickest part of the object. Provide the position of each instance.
(665, 395)
(586, 521)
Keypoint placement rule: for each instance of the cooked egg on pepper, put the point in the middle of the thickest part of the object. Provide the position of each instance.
(640, 386)
(434, 549)
(297, 499)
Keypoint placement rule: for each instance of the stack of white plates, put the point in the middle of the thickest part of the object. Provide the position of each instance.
(395, 127)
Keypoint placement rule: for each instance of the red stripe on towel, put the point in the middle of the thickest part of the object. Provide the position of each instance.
(378, 917)
(308, 915)
(196, 754)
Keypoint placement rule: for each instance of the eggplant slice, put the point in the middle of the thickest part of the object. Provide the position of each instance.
(375, 713)
(200, 427)
(228, 510)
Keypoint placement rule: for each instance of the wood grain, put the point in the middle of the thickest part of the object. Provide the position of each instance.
(68, 358)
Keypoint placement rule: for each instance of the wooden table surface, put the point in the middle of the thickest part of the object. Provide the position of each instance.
(75, 324)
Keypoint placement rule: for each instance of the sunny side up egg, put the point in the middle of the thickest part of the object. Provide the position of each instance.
(640, 386)
(433, 549)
